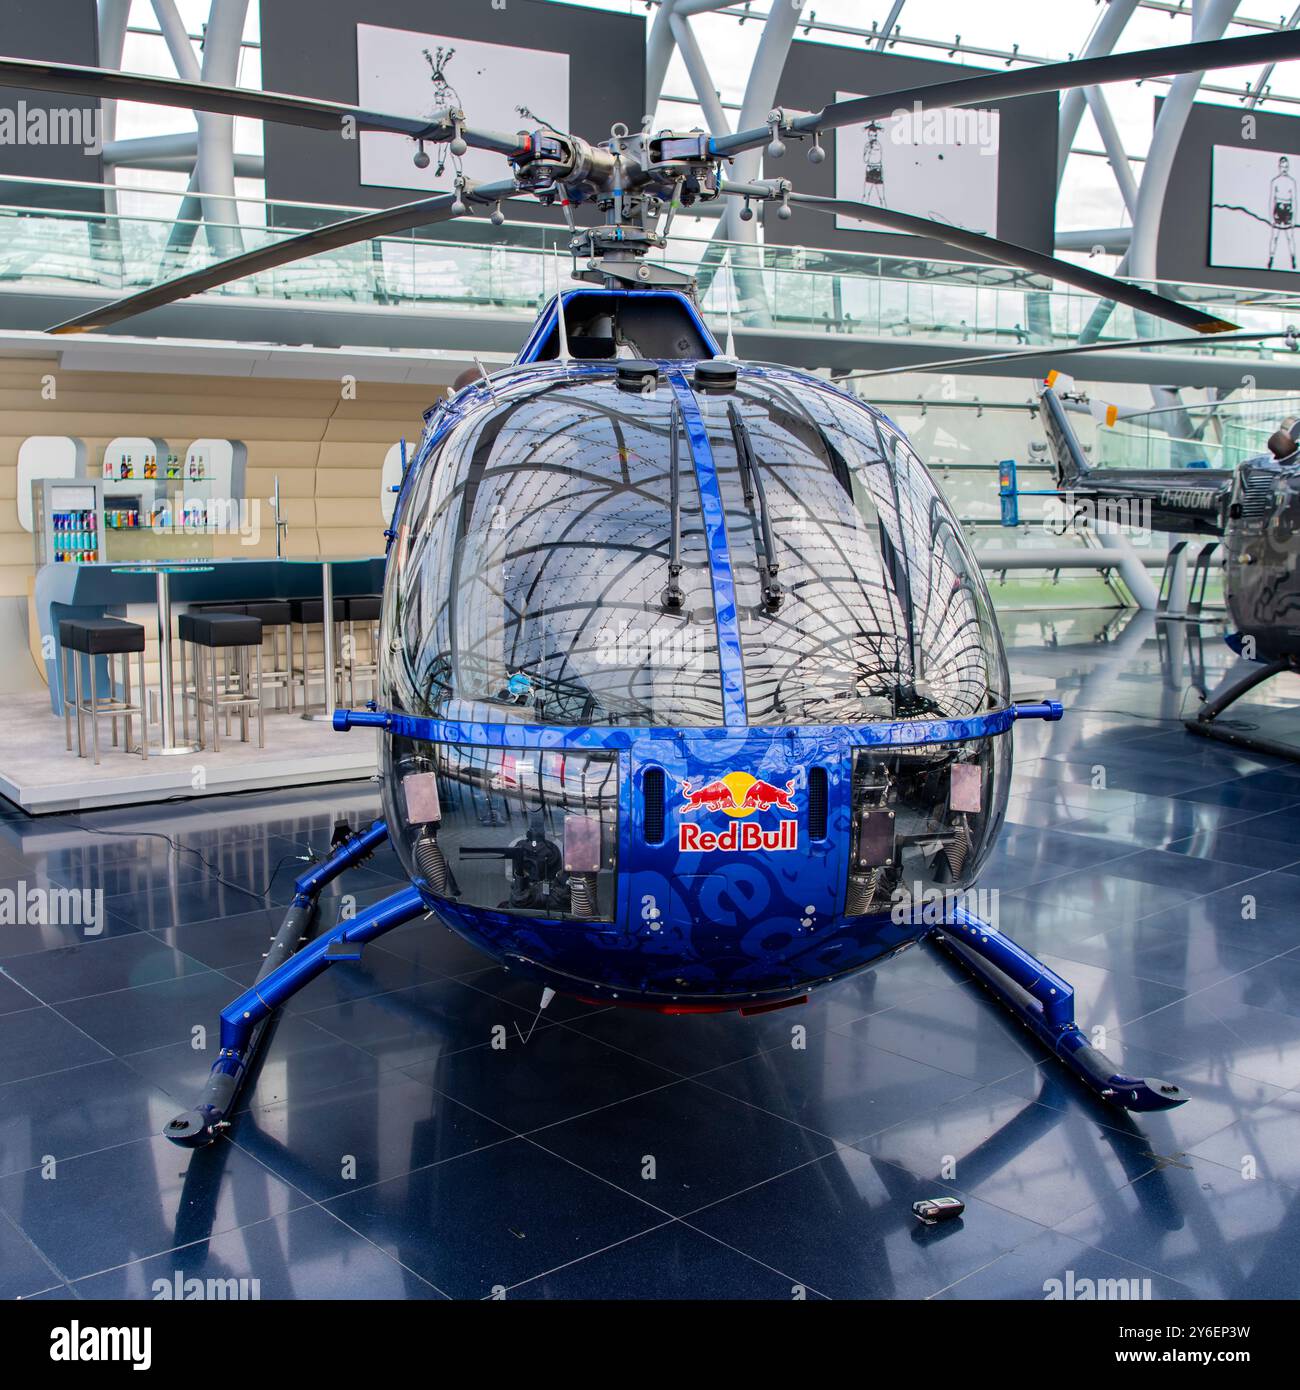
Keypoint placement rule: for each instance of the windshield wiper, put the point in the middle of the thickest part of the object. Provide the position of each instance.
(674, 599)
(752, 483)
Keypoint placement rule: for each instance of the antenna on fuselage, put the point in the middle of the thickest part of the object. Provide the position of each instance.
(562, 351)
(483, 372)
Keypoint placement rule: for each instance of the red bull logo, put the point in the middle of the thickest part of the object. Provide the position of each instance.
(737, 795)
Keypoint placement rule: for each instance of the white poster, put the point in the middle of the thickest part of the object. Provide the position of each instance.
(941, 164)
(1253, 208)
(498, 88)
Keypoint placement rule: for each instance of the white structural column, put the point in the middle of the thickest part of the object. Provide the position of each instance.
(216, 162)
(1211, 18)
(760, 96)
(186, 64)
(658, 54)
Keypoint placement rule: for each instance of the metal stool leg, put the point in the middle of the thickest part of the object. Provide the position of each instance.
(261, 709)
(242, 684)
(94, 709)
(144, 711)
(216, 707)
(198, 690)
(67, 708)
(112, 696)
(81, 738)
(185, 701)
(126, 700)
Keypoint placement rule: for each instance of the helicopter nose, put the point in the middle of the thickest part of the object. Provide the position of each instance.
(742, 861)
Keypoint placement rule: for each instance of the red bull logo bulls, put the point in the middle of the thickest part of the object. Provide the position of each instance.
(737, 795)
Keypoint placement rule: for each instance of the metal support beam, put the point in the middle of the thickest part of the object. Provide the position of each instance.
(1102, 41)
(176, 152)
(698, 71)
(1116, 156)
(1266, 76)
(891, 19)
(1112, 240)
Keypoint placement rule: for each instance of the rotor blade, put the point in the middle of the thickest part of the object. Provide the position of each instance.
(1038, 353)
(235, 101)
(385, 222)
(1105, 286)
(1248, 51)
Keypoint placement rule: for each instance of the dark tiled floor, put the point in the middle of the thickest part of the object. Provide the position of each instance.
(389, 1149)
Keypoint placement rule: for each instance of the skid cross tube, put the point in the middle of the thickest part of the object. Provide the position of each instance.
(1044, 1003)
(285, 970)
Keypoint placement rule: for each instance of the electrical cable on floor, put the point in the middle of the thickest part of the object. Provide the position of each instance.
(311, 857)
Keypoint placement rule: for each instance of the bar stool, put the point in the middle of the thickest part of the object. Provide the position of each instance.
(232, 688)
(277, 617)
(362, 609)
(307, 613)
(92, 638)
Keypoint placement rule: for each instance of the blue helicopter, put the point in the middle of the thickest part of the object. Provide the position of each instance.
(692, 698)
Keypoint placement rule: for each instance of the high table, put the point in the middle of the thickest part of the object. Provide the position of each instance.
(326, 563)
(166, 697)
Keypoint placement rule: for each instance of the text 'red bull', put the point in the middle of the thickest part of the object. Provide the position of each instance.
(738, 795)
(739, 835)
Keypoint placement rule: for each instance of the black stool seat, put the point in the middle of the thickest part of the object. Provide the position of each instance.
(311, 610)
(363, 608)
(273, 612)
(100, 636)
(215, 606)
(220, 629)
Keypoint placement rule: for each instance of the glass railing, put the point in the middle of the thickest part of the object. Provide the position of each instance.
(473, 268)
(1221, 435)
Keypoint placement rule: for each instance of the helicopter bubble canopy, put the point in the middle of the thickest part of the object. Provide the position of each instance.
(642, 626)
(528, 575)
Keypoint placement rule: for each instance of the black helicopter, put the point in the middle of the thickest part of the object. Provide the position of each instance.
(692, 698)
(1254, 508)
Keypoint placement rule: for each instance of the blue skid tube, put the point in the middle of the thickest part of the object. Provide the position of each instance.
(1044, 1003)
(286, 969)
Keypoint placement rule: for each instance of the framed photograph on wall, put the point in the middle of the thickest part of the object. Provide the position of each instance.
(499, 87)
(1253, 208)
(941, 164)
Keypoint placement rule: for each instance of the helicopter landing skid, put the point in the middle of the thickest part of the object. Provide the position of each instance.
(289, 965)
(1044, 1003)
(1202, 722)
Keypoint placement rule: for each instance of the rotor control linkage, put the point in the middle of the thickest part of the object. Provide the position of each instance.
(1044, 1003)
(288, 966)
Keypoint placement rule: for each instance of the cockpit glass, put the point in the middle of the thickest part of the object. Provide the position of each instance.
(531, 564)
(869, 605)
